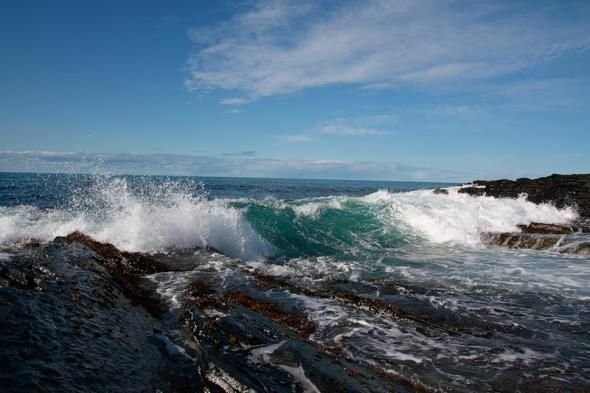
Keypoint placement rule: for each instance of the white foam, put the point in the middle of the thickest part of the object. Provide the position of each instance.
(264, 355)
(163, 219)
(461, 218)
(167, 216)
(315, 208)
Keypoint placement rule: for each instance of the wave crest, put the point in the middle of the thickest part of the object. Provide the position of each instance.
(461, 218)
(156, 218)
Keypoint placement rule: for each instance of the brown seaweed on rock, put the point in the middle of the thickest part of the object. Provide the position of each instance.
(126, 268)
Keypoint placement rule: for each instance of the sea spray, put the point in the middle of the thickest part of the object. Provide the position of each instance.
(151, 216)
(460, 218)
(395, 283)
(150, 219)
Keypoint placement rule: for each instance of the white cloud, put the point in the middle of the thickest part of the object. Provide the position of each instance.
(234, 101)
(376, 125)
(245, 163)
(284, 46)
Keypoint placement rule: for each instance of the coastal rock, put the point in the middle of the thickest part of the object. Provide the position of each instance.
(441, 191)
(105, 328)
(67, 325)
(233, 329)
(521, 240)
(560, 190)
(545, 229)
(126, 269)
(541, 237)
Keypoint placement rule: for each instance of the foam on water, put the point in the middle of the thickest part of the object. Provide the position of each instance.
(461, 218)
(264, 354)
(167, 215)
(153, 220)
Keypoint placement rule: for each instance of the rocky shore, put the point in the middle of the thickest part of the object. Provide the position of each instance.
(559, 190)
(80, 315)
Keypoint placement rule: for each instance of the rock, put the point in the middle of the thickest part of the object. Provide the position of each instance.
(580, 248)
(568, 243)
(441, 191)
(520, 240)
(126, 269)
(299, 323)
(67, 325)
(560, 190)
(540, 228)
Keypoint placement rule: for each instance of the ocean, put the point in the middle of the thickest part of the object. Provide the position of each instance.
(472, 316)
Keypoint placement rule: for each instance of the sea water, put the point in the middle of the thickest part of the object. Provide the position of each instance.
(395, 240)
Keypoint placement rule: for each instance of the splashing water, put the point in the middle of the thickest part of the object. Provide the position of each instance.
(153, 218)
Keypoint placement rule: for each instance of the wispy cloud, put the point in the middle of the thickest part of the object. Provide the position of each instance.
(247, 153)
(376, 125)
(234, 101)
(341, 129)
(281, 46)
(231, 164)
(296, 138)
(463, 111)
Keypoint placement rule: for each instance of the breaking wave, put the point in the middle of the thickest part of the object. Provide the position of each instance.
(151, 219)
(159, 217)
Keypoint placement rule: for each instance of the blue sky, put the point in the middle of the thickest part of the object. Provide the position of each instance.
(395, 90)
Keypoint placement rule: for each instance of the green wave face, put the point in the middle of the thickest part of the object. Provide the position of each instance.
(350, 230)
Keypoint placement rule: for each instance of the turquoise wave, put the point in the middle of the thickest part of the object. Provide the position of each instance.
(351, 230)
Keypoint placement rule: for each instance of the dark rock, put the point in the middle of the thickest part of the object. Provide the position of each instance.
(540, 228)
(521, 240)
(299, 323)
(57, 336)
(126, 269)
(560, 190)
(441, 191)
(250, 323)
(578, 248)
(561, 243)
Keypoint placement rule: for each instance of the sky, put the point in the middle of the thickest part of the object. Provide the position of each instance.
(386, 90)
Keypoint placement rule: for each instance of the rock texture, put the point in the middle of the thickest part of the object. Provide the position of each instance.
(67, 324)
(79, 315)
(553, 229)
(560, 190)
(82, 316)
(559, 243)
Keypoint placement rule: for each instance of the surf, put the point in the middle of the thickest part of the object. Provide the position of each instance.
(150, 216)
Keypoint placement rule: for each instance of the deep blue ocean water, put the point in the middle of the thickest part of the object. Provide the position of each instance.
(54, 190)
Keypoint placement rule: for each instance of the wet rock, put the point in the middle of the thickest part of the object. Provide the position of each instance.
(521, 240)
(441, 191)
(131, 262)
(299, 323)
(62, 337)
(540, 228)
(560, 190)
(578, 248)
(245, 350)
(202, 296)
(126, 269)
(559, 238)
